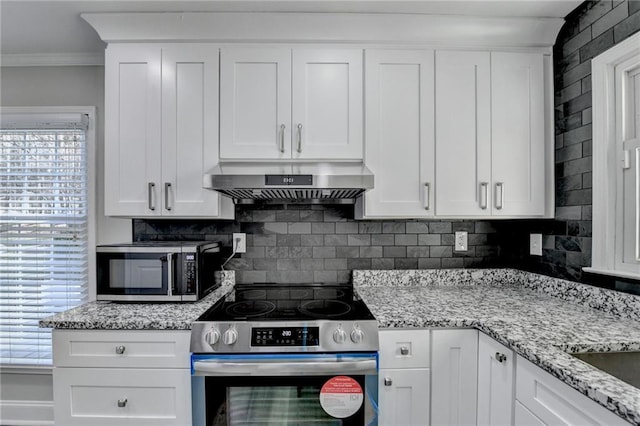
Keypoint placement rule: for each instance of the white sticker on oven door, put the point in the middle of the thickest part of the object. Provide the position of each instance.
(341, 397)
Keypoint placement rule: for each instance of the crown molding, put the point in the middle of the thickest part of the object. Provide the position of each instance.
(52, 60)
(449, 30)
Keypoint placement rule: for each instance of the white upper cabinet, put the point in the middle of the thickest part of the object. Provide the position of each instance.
(517, 134)
(463, 133)
(161, 131)
(132, 130)
(281, 103)
(399, 105)
(490, 138)
(255, 101)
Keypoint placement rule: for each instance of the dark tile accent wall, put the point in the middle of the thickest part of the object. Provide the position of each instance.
(591, 29)
(314, 243)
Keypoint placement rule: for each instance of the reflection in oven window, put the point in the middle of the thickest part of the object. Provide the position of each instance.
(258, 405)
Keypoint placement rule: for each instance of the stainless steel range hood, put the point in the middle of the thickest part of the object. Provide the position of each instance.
(286, 181)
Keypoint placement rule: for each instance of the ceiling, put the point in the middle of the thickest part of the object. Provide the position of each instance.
(55, 28)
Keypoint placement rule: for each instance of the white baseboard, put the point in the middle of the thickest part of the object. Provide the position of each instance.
(26, 413)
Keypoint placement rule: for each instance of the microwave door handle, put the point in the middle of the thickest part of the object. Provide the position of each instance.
(289, 368)
(171, 258)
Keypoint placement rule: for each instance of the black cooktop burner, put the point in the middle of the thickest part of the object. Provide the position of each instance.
(250, 309)
(325, 308)
(299, 302)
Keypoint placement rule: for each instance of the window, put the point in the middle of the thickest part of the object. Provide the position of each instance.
(46, 232)
(616, 160)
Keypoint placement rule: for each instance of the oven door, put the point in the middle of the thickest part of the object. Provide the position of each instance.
(285, 389)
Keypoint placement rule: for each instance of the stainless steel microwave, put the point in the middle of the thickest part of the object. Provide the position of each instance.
(181, 271)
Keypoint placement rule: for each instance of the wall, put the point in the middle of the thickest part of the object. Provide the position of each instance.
(25, 391)
(314, 243)
(589, 30)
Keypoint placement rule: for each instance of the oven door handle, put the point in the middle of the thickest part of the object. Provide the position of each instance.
(345, 365)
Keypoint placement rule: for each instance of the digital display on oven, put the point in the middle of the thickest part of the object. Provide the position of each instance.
(285, 336)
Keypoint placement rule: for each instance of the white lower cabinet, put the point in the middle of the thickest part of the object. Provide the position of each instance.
(496, 369)
(116, 378)
(403, 391)
(464, 377)
(454, 373)
(109, 396)
(543, 399)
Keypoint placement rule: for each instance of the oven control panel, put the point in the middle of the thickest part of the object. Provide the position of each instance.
(285, 336)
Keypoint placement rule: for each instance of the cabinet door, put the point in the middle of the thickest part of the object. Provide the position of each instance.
(556, 403)
(255, 103)
(454, 363)
(517, 133)
(399, 128)
(189, 129)
(327, 104)
(463, 133)
(132, 131)
(496, 364)
(403, 397)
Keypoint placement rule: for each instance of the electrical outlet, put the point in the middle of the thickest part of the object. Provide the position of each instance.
(461, 241)
(240, 242)
(535, 244)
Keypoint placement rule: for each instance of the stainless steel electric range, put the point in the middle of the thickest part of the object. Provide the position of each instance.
(286, 354)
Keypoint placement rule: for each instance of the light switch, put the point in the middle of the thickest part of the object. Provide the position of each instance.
(535, 244)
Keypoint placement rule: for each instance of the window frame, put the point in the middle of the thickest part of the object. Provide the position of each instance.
(92, 216)
(607, 250)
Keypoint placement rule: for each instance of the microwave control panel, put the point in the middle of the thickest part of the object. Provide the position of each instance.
(189, 272)
(285, 336)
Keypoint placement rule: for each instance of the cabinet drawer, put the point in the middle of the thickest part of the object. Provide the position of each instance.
(404, 348)
(112, 397)
(554, 402)
(128, 349)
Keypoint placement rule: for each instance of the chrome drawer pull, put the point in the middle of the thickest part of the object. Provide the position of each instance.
(483, 195)
(404, 350)
(167, 188)
(122, 403)
(500, 197)
(282, 128)
(120, 350)
(501, 357)
(299, 137)
(388, 381)
(151, 187)
(427, 194)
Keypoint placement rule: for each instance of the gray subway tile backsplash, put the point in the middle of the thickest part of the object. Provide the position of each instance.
(324, 243)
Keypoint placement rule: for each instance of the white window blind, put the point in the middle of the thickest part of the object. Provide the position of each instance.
(43, 228)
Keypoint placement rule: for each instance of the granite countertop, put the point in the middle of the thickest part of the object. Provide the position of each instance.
(139, 316)
(540, 318)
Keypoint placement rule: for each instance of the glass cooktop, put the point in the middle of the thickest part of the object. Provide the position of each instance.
(295, 302)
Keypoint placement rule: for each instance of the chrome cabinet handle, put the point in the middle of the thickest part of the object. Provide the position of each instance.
(501, 357)
(499, 199)
(167, 188)
(404, 350)
(483, 195)
(299, 138)
(151, 188)
(282, 128)
(122, 403)
(120, 350)
(388, 381)
(427, 193)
